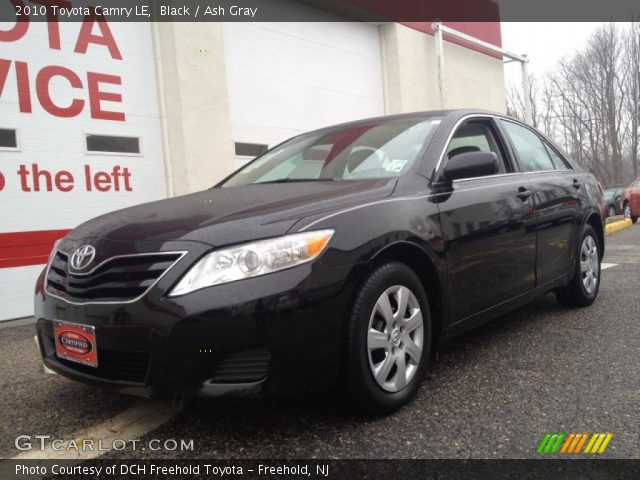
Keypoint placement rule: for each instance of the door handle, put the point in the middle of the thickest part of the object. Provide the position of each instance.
(576, 183)
(523, 194)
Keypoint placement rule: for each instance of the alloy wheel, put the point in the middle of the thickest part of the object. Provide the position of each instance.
(395, 338)
(627, 211)
(589, 264)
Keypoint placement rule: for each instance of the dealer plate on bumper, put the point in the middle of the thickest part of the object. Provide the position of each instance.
(76, 343)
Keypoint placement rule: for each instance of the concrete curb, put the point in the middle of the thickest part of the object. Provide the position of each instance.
(615, 226)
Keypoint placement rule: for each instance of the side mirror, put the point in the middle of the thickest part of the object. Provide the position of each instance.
(470, 165)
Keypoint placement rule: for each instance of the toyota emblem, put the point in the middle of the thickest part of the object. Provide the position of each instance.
(82, 257)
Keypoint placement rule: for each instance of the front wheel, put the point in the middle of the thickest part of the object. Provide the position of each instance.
(583, 288)
(389, 339)
(611, 211)
(629, 214)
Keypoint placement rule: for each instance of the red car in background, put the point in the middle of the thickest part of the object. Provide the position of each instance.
(631, 201)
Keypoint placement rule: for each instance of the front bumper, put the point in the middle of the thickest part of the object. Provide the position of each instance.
(279, 333)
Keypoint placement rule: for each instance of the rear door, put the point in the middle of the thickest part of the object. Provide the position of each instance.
(557, 189)
(488, 226)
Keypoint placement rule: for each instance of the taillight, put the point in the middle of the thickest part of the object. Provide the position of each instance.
(600, 189)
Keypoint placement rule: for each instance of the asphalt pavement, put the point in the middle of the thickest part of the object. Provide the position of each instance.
(491, 393)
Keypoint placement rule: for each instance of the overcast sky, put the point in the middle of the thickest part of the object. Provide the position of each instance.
(545, 43)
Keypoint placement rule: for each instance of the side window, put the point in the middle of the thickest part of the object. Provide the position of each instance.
(475, 136)
(558, 161)
(531, 151)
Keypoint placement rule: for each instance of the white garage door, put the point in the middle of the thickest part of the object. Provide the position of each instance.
(288, 78)
(79, 136)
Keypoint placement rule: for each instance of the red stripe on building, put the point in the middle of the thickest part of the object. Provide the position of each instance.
(478, 18)
(21, 249)
(489, 32)
(486, 31)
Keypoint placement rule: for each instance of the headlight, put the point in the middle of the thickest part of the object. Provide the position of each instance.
(253, 259)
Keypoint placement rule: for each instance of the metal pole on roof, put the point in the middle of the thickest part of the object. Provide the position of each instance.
(528, 111)
(439, 29)
(440, 59)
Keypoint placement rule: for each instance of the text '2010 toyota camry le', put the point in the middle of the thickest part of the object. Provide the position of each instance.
(339, 257)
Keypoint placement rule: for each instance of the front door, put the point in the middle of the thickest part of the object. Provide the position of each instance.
(489, 227)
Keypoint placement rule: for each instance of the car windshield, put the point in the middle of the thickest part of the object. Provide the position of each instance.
(379, 149)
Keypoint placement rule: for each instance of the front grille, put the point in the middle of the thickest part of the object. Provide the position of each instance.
(117, 366)
(117, 279)
(244, 366)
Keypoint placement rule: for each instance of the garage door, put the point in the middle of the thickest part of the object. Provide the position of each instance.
(288, 78)
(79, 136)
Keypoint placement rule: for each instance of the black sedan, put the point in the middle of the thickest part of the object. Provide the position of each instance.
(339, 257)
(612, 200)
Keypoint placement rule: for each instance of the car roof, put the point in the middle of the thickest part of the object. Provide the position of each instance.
(452, 113)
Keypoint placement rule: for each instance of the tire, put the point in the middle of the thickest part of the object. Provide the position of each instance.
(384, 343)
(583, 288)
(611, 211)
(628, 214)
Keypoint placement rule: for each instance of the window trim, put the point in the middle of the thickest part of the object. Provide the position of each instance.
(495, 175)
(111, 154)
(548, 146)
(498, 138)
(436, 171)
(18, 147)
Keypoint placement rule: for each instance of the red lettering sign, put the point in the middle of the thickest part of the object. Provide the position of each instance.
(42, 88)
(86, 36)
(96, 96)
(93, 30)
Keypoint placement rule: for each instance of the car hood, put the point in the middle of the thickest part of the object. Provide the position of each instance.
(222, 216)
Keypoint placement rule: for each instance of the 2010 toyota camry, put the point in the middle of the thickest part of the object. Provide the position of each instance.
(339, 257)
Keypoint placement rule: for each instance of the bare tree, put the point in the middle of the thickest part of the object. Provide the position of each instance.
(590, 103)
(632, 104)
(516, 104)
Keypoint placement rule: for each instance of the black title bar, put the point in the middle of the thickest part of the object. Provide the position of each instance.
(321, 10)
(103, 469)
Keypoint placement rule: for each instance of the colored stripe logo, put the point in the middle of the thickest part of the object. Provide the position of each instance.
(574, 443)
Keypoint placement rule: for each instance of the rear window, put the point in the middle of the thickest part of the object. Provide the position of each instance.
(532, 153)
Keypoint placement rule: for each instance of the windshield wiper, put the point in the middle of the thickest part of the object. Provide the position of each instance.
(295, 180)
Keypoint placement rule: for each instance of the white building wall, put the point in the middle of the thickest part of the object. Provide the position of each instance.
(288, 78)
(56, 143)
(473, 79)
(196, 99)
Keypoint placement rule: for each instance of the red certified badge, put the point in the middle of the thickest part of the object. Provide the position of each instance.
(76, 343)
